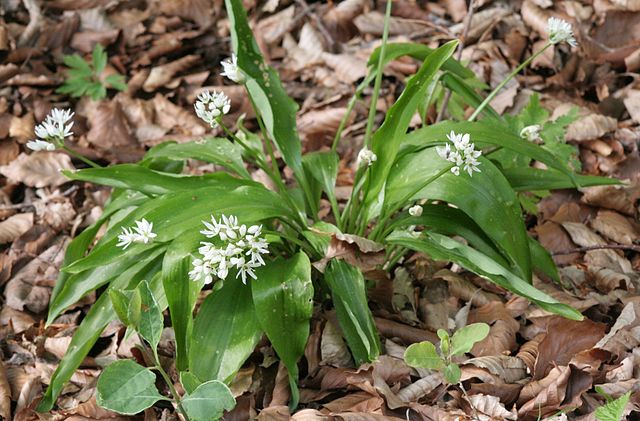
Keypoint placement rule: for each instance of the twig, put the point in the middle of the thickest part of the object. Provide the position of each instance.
(598, 247)
(465, 32)
(35, 18)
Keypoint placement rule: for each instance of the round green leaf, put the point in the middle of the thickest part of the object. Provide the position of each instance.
(208, 401)
(464, 339)
(423, 355)
(127, 388)
(452, 373)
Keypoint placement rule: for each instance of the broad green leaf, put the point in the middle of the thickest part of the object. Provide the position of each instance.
(181, 292)
(248, 203)
(452, 373)
(532, 179)
(225, 332)
(99, 316)
(263, 84)
(215, 150)
(450, 221)
(419, 52)
(463, 339)
(323, 167)
(283, 300)
(209, 401)
(423, 355)
(145, 180)
(483, 134)
(387, 139)
(126, 304)
(349, 296)
(487, 198)
(127, 388)
(151, 320)
(99, 58)
(80, 284)
(189, 381)
(542, 260)
(613, 410)
(443, 248)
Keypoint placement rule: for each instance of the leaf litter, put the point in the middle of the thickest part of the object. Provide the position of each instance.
(531, 366)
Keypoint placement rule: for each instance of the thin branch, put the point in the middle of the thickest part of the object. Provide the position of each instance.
(598, 247)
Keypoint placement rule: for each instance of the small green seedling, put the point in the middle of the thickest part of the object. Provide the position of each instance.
(128, 388)
(613, 410)
(425, 354)
(86, 78)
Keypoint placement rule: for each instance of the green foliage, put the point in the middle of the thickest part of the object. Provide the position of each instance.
(127, 388)
(613, 409)
(146, 278)
(85, 79)
(425, 354)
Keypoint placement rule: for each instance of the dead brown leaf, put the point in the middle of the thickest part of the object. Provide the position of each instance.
(616, 227)
(357, 251)
(5, 394)
(40, 169)
(161, 76)
(14, 226)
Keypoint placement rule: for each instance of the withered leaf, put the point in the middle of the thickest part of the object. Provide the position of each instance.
(40, 169)
(14, 226)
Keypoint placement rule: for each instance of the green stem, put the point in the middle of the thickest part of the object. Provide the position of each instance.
(352, 102)
(169, 383)
(80, 157)
(258, 159)
(388, 212)
(497, 89)
(377, 83)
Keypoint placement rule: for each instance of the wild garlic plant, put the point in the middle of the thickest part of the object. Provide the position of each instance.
(413, 192)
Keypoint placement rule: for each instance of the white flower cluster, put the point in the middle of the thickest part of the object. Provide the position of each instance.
(212, 105)
(415, 210)
(463, 155)
(52, 130)
(231, 69)
(560, 31)
(141, 233)
(366, 157)
(531, 133)
(242, 249)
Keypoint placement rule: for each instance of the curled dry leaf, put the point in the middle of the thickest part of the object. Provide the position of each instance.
(502, 336)
(273, 28)
(14, 226)
(584, 237)
(21, 128)
(199, 11)
(110, 131)
(625, 333)
(161, 75)
(307, 51)
(339, 18)
(616, 227)
(373, 23)
(509, 369)
(588, 126)
(621, 198)
(491, 406)
(348, 67)
(5, 394)
(333, 349)
(19, 321)
(563, 340)
(318, 127)
(358, 251)
(40, 169)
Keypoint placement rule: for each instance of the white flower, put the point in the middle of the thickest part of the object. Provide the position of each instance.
(366, 157)
(531, 133)
(141, 233)
(40, 145)
(415, 210)
(55, 127)
(212, 105)
(560, 31)
(237, 246)
(231, 69)
(463, 155)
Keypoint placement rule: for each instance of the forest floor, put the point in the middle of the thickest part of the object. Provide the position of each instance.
(532, 365)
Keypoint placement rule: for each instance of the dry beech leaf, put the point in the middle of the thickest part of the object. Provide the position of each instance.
(606, 280)
(170, 116)
(161, 75)
(339, 18)
(625, 334)
(41, 169)
(588, 126)
(19, 320)
(273, 28)
(199, 11)
(621, 198)
(535, 17)
(333, 349)
(358, 251)
(616, 227)
(348, 67)
(373, 23)
(22, 127)
(491, 406)
(14, 226)
(318, 127)
(584, 237)
(110, 131)
(5, 394)
(509, 369)
(632, 102)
